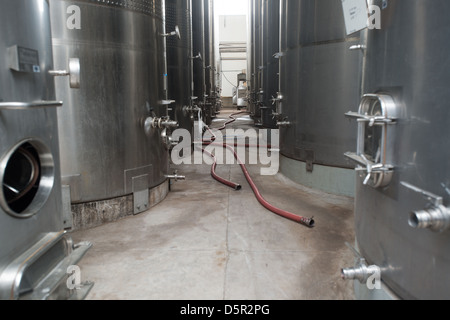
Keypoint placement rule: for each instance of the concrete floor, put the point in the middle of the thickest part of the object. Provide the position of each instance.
(206, 241)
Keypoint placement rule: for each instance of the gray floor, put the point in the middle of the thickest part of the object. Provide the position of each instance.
(206, 241)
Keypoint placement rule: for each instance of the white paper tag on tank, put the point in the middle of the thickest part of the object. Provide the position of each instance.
(355, 14)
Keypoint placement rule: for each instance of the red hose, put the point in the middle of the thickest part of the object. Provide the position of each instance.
(233, 119)
(228, 183)
(309, 222)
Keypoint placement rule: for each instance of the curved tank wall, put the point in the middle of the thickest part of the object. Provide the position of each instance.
(209, 106)
(179, 62)
(210, 57)
(408, 60)
(32, 219)
(271, 46)
(22, 84)
(105, 150)
(319, 81)
(255, 61)
(250, 59)
(199, 47)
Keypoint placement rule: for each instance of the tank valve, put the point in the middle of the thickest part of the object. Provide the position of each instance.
(165, 125)
(283, 124)
(73, 72)
(436, 217)
(175, 177)
(189, 110)
(198, 56)
(173, 33)
(278, 115)
(358, 47)
(361, 272)
(161, 123)
(168, 140)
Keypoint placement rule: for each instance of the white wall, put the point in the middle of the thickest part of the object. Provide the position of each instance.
(232, 28)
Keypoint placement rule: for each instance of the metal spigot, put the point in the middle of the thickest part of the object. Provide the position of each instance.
(73, 72)
(358, 47)
(435, 217)
(198, 56)
(173, 33)
(369, 275)
(284, 123)
(175, 176)
(161, 123)
(360, 272)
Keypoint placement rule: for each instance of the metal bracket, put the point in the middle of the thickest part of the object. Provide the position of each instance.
(435, 200)
(140, 194)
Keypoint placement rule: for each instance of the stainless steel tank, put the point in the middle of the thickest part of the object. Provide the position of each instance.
(107, 152)
(319, 80)
(210, 56)
(250, 59)
(35, 251)
(269, 50)
(257, 60)
(403, 189)
(198, 55)
(209, 62)
(179, 62)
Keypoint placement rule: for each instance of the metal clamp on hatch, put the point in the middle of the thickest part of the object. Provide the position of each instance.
(278, 115)
(376, 118)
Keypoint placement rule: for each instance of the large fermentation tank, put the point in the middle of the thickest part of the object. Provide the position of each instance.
(319, 80)
(199, 48)
(256, 31)
(35, 251)
(210, 57)
(270, 48)
(179, 62)
(210, 107)
(402, 207)
(250, 66)
(107, 152)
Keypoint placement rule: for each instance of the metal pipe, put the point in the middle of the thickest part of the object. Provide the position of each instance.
(283, 124)
(361, 272)
(175, 177)
(233, 58)
(436, 219)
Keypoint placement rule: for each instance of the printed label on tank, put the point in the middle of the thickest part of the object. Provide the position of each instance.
(24, 59)
(355, 14)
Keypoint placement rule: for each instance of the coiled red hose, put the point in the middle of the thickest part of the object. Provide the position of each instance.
(309, 222)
